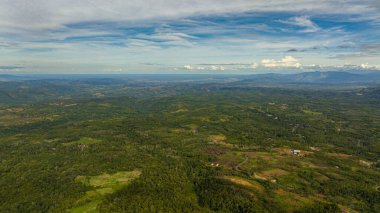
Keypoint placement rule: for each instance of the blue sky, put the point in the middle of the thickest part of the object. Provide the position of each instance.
(188, 36)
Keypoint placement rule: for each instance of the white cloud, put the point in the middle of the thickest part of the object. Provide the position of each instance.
(286, 62)
(253, 65)
(41, 14)
(341, 67)
(216, 68)
(167, 37)
(302, 21)
(212, 68)
(366, 66)
(188, 67)
(28, 27)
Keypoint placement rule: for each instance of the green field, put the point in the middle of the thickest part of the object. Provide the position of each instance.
(102, 185)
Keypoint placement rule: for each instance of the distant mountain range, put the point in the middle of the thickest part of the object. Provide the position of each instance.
(332, 77)
(315, 78)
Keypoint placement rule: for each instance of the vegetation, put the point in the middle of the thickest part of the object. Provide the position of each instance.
(188, 147)
(102, 185)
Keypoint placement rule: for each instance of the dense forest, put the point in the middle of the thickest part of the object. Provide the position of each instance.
(172, 145)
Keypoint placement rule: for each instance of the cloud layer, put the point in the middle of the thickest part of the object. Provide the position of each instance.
(41, 14)
(304, 22)
(104, 35)
(285, 64)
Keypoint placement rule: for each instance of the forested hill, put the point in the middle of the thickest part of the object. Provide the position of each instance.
(15, 89)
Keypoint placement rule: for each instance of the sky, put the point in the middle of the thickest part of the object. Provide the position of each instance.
(188, 36)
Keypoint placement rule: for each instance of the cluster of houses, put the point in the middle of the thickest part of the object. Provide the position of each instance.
(302, 153)
(61, 103)
(295, 151)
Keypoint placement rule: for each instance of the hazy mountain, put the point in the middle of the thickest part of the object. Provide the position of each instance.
(315, 78)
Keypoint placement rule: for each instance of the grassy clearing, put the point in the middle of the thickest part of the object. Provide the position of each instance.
(102, 185)
(203, 118)
(339, 155)
(87, 208)
(220, 140)
(309, 112)
(244, 182)
(180, 110)
(230, 159)
(109, 181)
(83, 141)
(291, 201)
(273, 173)
(14, 119)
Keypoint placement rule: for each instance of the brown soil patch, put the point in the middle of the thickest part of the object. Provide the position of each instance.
(217, 138)
(339, 155)
(273, 173)
(243, 182)
(216, 151)
(15, 109)
(249, 154)
(220, 140)
(365, 163)
(258, 177)
(230, 160)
